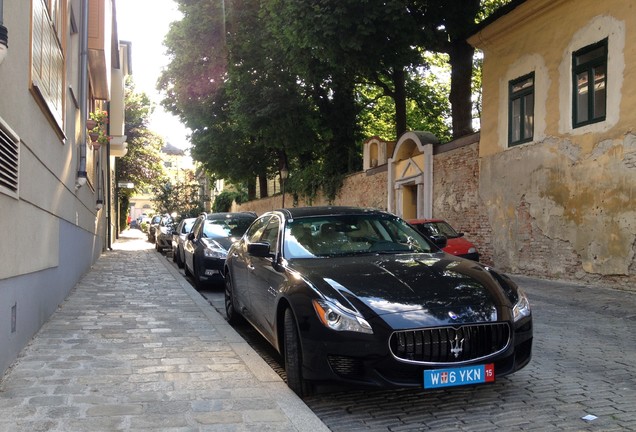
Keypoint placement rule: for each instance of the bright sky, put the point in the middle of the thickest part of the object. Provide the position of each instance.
(145, 24)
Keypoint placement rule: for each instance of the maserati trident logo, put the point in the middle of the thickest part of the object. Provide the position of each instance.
(457, 345)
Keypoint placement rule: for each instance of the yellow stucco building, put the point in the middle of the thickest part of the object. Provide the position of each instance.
(558, 147)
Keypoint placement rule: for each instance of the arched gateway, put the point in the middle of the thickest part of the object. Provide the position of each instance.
(410, 179)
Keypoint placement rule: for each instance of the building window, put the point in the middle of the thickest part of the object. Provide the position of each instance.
(47, 56)
(589, 77)
(521, 111)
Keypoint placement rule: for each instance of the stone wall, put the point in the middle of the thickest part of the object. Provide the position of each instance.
(362, 189)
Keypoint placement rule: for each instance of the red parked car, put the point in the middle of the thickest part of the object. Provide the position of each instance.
(456, 243)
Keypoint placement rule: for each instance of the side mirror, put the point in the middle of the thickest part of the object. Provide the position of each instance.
(260, 249)
(461, 234)
(191, 236)
(439, 240)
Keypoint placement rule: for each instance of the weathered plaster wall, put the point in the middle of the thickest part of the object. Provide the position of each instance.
(562, 205)
(562, 212)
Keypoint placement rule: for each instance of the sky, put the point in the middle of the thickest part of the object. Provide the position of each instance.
(145, 24)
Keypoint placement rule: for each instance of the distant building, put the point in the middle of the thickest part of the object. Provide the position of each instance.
(179, 169)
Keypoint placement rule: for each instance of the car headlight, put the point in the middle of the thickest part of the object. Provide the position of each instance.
(472, 250)
(521, 309)
(213, 250)
(339, 319)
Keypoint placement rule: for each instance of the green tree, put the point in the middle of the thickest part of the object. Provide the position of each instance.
(180, 196)
(142, 163)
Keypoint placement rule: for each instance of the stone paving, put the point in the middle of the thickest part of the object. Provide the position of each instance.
(134, 347)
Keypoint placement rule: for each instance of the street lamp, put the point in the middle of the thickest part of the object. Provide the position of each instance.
(284, 173)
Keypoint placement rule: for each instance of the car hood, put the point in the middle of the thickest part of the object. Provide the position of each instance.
(224, 242)
(410, 289)
(458, 246)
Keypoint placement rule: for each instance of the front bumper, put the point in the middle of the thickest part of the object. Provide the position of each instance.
(164, 243)
(210, 269)
(471, 256)
(339, 359)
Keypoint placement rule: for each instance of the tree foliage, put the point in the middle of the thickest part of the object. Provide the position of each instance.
(180, 196)
(270, 83)
(142, 163)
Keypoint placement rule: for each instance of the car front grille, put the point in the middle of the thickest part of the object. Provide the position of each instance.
(450, 344)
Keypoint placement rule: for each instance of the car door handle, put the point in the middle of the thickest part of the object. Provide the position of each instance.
(234, 254)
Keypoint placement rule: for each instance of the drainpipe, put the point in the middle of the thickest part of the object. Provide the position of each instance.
(83, 92)
(107, 187)
(4, 35)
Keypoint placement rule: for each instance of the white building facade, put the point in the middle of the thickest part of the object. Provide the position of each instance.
(63, 61)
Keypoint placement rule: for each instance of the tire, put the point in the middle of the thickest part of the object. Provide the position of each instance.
(231, 314)
(195, 275)
(293, 357)
(178, 258)
(185, 269)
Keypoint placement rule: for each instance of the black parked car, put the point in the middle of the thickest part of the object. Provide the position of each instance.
(207, 243)
(360, 297)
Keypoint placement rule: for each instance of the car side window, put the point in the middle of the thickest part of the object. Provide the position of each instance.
(270, 235)
(255, 232)
(196, 229)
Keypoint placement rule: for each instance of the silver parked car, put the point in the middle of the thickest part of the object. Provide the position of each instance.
(178, 239)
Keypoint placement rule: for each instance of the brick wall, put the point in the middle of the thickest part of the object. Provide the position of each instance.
(363, 189)
(456, 192)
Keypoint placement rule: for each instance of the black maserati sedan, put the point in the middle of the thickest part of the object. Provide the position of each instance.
(359, 297)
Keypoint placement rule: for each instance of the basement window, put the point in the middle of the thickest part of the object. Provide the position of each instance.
(9, 160)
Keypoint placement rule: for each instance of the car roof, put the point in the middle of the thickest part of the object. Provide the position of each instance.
(229, 215)
(300, 212)
(418, 221)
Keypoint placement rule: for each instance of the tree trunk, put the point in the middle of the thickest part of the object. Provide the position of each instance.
(251, 189)
(262, 184)
(342, 121)
(399, 98)
(461, 60)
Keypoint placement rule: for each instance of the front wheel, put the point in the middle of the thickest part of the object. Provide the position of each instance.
(293, 357)
(231, 314)
(179, 259)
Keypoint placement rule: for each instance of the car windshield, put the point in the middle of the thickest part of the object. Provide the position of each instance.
(441, 228)
(226, 227)
(341, 235)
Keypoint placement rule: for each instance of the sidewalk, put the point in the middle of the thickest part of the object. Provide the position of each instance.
(135, 347)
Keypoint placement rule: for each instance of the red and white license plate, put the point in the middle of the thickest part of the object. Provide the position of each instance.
(467, 375)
